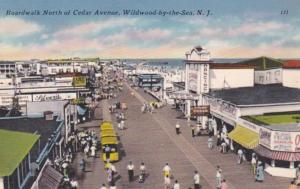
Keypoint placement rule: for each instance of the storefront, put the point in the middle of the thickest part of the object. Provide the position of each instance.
(279, 145)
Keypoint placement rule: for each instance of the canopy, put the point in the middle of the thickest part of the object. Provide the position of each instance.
(105, 133)
(245, 137)
(277, 155)
(109, 140)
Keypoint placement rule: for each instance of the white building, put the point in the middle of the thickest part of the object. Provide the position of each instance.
(267, 70)
(7, 69)
(291, 74)
(226, 76)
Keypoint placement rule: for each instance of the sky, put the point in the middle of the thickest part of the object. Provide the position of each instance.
(233, 29)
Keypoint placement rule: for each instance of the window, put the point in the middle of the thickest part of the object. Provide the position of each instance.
(53, 70)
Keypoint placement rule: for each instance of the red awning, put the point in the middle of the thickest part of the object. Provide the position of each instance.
(277, 155)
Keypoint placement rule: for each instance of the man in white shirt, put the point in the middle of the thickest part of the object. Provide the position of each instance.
(176, 185)
(93, 151)
(130, 168)
(196, 180)
(177, 127)
(166, 170)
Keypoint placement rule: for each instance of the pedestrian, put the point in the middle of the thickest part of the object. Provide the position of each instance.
(107, 152)
(197, 180)
(74, 184)
(176, 185)
(240, 156)
(167, 182)
(218, 177)
(142, 172)
(298, 174)
(103, 186)
(293, 185)
(130, 169)
(113, 185)
(223, 147)
(109, 176)
(253, 163)
(198, 130)
(166, 170)
(122, 124)
(93, 151)
(218, 140)
(224, 184)
(86, 151)
(113, 170)
(193, 130)
(177, 127)
(210, 143)
(259, 172)
(82, 165)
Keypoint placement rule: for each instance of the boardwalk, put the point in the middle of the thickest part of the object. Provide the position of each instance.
(151, 138)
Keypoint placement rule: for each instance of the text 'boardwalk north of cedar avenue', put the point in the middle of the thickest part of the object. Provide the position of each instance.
(97, 12)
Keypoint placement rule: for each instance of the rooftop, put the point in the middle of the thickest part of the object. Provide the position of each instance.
(14, 147)
(281, 122)
(39, 126)
(230, 66)
(290, 64)
(259, 94)
(262, 63)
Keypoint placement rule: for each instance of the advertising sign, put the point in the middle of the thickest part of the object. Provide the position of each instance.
(200, 111)
(79, 81)
(192, 80)
(53, 96)
(265, 137)
(282, 141)
(205, 78)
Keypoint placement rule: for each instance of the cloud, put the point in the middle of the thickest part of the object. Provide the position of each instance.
(245, 29)
(16, 27)
(250, 28)
(94, 27)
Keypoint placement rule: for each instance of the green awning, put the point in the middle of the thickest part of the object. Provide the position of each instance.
(14, 146)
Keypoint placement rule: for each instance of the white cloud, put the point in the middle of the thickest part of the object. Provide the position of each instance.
(16, 27)
(93, 27)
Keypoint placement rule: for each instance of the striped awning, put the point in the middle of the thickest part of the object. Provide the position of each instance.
(277, 155)
(245, 137)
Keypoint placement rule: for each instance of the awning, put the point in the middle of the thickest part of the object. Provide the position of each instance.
(50, 178)
(277, 155)
(245, 137)
(81, 111)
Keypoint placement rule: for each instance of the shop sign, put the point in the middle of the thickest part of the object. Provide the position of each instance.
(53, 96)
(79, 81)
(200, 111)
(205, 79)
(265, 137)
(282, 141)
(221, 106)
(249, 125)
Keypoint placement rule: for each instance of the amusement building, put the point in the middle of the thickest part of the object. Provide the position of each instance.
(257, 101)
